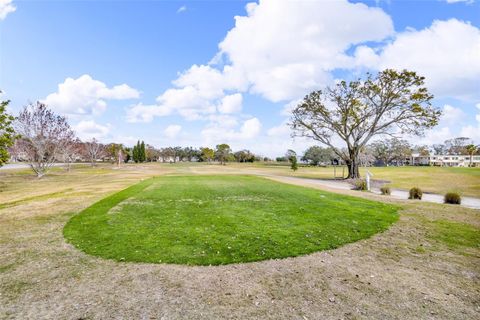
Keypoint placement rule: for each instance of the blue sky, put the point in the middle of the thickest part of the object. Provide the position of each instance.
(189, 73)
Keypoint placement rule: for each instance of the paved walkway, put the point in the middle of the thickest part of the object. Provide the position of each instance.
(468, 202)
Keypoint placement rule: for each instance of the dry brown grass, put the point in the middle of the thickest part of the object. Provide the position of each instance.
(403, 273)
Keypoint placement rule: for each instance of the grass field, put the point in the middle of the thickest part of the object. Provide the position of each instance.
(212, 220)
(441, 180)
(424, 266)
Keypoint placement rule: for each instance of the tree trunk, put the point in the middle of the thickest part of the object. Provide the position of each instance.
(353, 169)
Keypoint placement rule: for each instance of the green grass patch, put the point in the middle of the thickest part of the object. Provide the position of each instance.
(203, 220)
(456, 235)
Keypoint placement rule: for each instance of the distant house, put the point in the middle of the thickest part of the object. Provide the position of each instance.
(448, 160)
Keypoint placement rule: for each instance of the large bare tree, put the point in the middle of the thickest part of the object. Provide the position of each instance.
(390, 103)
(44, 134)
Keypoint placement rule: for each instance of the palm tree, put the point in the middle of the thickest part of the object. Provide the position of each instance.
(471, 149)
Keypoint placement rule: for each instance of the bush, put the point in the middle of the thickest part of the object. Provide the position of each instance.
(415, 193)
(452, 198)
(359, 184)
(385, 190)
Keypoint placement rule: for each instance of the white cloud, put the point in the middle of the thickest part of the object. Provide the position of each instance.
(217, 133)
(231, 103)
(282, 130)
(456, 1)
(86, 96)
(172, 131)
(182, 9)
(452, 115)
(6, 7)
(447, 54)
(292, 48)
(89, 129)
(310, 40)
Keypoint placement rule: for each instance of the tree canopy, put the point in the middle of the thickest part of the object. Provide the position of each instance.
(389, 103)
(6, 132)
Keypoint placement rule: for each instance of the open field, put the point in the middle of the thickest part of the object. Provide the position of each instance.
(426, 265)
(441, 180)
(212, 220)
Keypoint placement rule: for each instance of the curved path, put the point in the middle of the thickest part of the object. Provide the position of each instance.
(469, 202)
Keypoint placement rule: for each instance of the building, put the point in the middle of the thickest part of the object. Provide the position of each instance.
(447, 160)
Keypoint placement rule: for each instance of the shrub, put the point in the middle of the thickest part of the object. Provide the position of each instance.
(359, 184)
(452, 198)
(385, 190)
(415, 193)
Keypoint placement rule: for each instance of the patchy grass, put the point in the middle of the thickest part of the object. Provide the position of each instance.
(212, 220)
(456, 235)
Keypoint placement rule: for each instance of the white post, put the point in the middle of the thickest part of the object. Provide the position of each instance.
(368, 179)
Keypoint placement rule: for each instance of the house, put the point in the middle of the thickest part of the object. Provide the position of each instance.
(447, 160)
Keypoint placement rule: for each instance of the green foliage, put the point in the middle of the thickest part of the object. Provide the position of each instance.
(138, 152)
(293, 163)
(415, 193)
(203, 220)
(207, 154)
(7, 135)
(452, 198)
(385, 190)
(316, 155)
(223, 152)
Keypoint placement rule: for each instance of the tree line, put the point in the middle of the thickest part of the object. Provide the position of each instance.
(388, 152)
(41, 138)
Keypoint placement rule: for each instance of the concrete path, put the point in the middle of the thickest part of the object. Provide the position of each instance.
(468, 202)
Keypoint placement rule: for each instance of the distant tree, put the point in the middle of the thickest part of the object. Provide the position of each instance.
(316, 155)
(128, 154)
(93, 150)
(44, 133)
(281, 159)
(289, 154)
(115, 152)
(7, 135)
(244, 156)
(294, 163)
(422, 150)
(471, 149)
(207, 154)
(151, 153)
(439, 149)
(70, 150)
(359, 110)
(223, 152)
(391, 151)
(143, 153)
(458, 145)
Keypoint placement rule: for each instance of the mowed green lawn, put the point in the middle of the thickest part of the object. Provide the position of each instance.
(212, 220)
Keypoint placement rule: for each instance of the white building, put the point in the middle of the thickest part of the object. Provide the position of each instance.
(447, 160)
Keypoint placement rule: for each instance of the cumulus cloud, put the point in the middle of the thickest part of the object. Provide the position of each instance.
(89, 129)
(231, 103)
(310, 39)
(452, 115)
(6, 7)
(279, 50)
(172, 131)
(216, 132)
(86, 96)
(447, 54)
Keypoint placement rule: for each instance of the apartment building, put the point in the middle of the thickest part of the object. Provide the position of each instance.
(447, 160)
